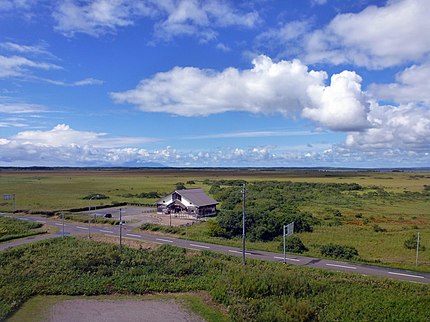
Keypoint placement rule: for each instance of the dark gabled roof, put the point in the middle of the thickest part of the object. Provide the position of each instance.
(197, 197)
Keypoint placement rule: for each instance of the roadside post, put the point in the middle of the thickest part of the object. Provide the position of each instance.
(62, 218)
(89, 214)
(418, 248)
(120, 231)
(186, 229)
(288, 231)
(243, 224)
(285, 254)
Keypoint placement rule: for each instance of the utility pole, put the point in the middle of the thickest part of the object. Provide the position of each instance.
(89, 214)
(285, 254)
(418, 248)
(120, 232)
(243, 224)
(62, 217)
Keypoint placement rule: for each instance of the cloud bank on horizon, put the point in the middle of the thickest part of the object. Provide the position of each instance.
(216, 83)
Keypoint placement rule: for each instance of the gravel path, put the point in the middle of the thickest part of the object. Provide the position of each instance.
(94, 310)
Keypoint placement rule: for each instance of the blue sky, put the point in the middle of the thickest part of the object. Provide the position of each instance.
(215, 83)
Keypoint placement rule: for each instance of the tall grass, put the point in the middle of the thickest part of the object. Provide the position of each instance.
(260, 291)
(11, 228)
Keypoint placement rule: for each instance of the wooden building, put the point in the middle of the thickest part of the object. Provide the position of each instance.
(190, 202)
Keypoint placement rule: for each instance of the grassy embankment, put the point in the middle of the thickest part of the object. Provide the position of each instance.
(11, 228)
(259, 291)
(397, 211)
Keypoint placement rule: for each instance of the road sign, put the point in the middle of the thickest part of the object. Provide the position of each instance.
(8, 196)
(290, 229)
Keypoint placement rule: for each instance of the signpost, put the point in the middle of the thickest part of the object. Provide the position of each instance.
(288, 231)
(10, 196)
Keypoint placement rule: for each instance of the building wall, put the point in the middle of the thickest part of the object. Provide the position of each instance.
(191, 209)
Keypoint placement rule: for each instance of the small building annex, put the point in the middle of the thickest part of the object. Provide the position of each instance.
(193, 202)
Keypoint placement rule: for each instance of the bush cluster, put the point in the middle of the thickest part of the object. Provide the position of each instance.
(338, 251)
(163, 229)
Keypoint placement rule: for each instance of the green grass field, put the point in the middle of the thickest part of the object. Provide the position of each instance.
(259, 291)
(399, 211)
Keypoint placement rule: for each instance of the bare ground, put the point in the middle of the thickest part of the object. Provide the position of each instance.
(95, 310)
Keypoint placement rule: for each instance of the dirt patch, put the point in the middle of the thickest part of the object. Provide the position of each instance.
(116, 308)
(120, 310)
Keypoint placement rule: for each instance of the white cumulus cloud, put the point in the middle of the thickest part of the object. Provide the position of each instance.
(376, 37)
(341, 106)
(266, 88)
(411, 85)
(404, 128)
(285, 87)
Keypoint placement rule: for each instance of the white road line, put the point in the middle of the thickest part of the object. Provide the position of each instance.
(133, 235)
(288, 259)
(106, 231)
(58, 224)
(23, 218)
(407, 275)
(79, 227)
(201, 246)
(342, 266)
(164, 240)
(239, 252)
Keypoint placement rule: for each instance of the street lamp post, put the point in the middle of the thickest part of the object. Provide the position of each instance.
(243, 224)
(89, 214)
(120, 232)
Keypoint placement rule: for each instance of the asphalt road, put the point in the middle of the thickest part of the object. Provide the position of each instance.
(83, 229)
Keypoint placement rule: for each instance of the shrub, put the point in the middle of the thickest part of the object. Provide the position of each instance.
(162, 228)
(215, 230)
(95, 196)
(180, 186)
(337, 213)
(338, 251)
(358, 216)
(411, 243)
(378, 229)
(293, 244)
